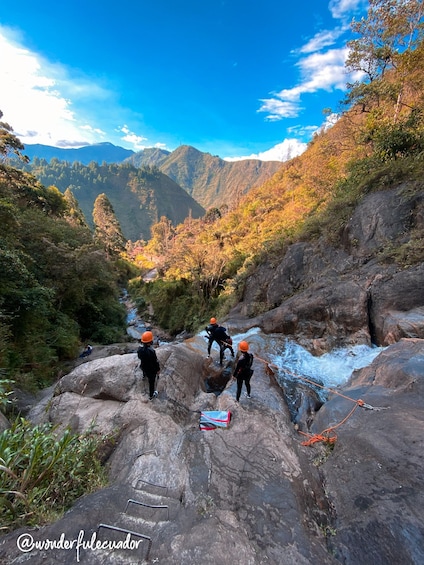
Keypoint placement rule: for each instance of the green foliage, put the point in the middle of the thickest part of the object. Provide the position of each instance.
(5, 392)
(43, 472)
(176, 304)
(57, 287)
(107, 229)
(365, 176)
(139, 196)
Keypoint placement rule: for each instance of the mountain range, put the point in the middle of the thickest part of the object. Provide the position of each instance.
(210, 180)
(99, 152)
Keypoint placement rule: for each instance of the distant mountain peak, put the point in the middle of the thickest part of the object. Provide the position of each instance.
(99, 152)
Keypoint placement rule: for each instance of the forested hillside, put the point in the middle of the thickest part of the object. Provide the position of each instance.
(140, 197)
(211, 181)
(58, 286)
(377, 141)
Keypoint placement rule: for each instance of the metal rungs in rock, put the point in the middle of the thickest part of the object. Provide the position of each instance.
(146, 505)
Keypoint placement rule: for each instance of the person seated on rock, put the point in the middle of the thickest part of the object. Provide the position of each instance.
(219, 334)
(149, 363)
(243, 372)
(87, 351)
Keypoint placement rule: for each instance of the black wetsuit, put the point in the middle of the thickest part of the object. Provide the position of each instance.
(219, 334)
(243, 373)
(149, 364)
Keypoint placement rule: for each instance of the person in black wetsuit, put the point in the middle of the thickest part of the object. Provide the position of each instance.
(243, 372)
(149, 363)
(219, 334)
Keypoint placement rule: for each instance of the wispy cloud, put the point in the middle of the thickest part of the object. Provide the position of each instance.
(321, 64)
(322, 39)
(50, 103)
(319, 71)
(342, 9)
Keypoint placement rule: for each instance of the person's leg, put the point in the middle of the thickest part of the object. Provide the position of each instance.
(210, 345)
(239, 385)
(221, 353)
(152, 379)
(247, 383)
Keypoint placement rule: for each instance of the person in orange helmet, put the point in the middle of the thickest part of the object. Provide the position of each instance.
(149, 363)
(219, 334)
(243, 371)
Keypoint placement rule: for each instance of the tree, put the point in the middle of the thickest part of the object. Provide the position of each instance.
(107, 228)
(162, 235)
(74, 212)
(388, 55)
(387, 36)
(9, 143)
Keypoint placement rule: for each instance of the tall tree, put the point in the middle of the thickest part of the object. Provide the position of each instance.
(74, 212)
(107, 228)
(9, 143)
(387, 36)
(388, 55)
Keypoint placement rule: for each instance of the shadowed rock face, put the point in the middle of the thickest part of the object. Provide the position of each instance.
(324, 296)
(251, 493)
(374, 476)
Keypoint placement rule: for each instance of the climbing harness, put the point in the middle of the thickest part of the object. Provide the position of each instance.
(328, 435)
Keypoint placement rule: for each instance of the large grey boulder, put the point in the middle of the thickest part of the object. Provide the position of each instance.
(243, 494)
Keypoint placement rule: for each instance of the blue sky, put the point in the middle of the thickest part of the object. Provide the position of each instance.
(234, 78)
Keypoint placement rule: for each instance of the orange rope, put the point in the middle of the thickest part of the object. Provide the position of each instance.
(314, 438)
(324, 436)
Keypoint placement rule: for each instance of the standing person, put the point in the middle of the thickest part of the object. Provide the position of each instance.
(219, 334)
(149, 363)
(243, 372)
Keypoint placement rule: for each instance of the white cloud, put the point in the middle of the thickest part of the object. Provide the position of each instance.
(133, 139)
(284, 151)
(322, 39)
(31, 98)
(340, 9)
(277, 109)
(49, 103)
(319, 71)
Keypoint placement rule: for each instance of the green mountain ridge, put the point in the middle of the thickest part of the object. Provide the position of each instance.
(140, 197)
(210, 180)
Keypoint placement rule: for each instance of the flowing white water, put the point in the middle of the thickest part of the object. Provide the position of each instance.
(332, 369)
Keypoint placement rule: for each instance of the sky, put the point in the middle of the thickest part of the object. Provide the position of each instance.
(234, 78)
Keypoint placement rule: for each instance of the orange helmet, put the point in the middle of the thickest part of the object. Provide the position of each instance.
(147, 337)
(213, 320)
(244, 346)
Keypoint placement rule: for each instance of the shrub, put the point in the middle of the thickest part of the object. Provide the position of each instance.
(42, 473)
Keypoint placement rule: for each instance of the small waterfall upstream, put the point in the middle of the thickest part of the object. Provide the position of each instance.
(332, 369)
